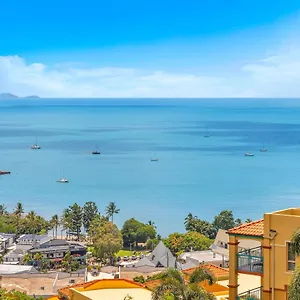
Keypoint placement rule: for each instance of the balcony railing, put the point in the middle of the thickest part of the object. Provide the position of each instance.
(254, 294)
(250, 260)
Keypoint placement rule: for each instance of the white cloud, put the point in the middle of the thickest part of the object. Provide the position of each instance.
(273, 76)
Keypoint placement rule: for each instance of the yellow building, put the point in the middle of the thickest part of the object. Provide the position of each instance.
(104, 289)
(272, 260)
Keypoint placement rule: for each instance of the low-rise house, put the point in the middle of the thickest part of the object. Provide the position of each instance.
(195, 258)
(6, 241)
(55, 249)
(31, 239)
(105, 289)
(16, 269)
(221, 246)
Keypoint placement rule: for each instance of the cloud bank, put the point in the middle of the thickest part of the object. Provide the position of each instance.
(274, 76)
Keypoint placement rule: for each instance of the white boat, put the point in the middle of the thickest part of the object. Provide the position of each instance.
(63, 180)
(36, 146)
(263, 149)
(249, 154)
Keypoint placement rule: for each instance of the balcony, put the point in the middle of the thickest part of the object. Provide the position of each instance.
(250, 261)
(254, 294)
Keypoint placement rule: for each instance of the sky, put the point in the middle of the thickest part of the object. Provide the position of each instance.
(193, 48)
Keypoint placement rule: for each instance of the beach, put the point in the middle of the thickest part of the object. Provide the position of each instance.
(193, 174)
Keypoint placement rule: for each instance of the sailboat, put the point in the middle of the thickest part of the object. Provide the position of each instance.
(96, 152)
(207, 135)
(263, 149)
(35, 146)
(249, 154)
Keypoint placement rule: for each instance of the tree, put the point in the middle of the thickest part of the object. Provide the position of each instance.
(76, 217)
(238, 222)
(134, 231)
(54, 222)
(26, 259)
(248, 220)
(107, 240)
(67, 261)
(90, 211)
(224, 220)
(13, 295)
(3, 210)
(1, 259)
(19, 210)
(192, 223)
(111, 210)
(66, 221)
(173, 286)
(181, 242)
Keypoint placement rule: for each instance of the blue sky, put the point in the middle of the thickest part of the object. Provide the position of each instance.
(145, 48)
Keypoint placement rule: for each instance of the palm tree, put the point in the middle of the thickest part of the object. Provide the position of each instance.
(19, 209)
(111, 210)
(3, 210)
(174, 286)
(55, 223)
(26, 259)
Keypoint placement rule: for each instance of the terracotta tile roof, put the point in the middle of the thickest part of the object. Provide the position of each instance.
(152, 284)
(255, 228)
(66, 290)
(216, 271)
(53, 298)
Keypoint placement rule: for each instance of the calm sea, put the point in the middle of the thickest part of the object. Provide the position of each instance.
(194, 174)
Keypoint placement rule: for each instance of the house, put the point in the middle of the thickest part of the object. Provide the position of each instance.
(13, 270)
(6, 241)
(161, 257)
(220, 245)
(105, 289)
(55, 249)
(195, 258)
(272, 260)
(31, 239)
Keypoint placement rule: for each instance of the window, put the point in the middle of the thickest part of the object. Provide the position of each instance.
(291, 258)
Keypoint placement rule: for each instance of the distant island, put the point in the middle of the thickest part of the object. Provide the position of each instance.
(11, 96)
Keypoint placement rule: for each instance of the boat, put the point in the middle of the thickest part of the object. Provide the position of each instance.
(263, 149)
(249, 154)
(154, 159)
(4, 172)
(207, 135)
(62, 180)
(35, 146)
(96, 152)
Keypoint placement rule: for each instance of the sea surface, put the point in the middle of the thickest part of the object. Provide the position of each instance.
(193, 174)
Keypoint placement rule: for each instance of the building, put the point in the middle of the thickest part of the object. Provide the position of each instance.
(106, 289)
(6, 241)
(272, 260)
(204, 257)
(221, 246)
(31, 239)
(161, 257)
(55, 249)
(13, 270)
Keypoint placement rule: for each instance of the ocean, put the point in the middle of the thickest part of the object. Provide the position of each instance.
(193, 174)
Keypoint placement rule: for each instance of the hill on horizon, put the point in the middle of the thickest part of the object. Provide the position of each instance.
(12, 96)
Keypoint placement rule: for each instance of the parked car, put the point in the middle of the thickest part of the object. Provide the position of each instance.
(125, 258)
(133, 257)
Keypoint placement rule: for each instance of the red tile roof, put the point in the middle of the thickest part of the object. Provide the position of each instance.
(216, 271)
(255, 228)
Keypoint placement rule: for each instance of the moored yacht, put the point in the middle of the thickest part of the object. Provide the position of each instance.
(249, 154)
(62, 180)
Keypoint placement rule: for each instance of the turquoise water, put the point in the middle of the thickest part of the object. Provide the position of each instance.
(194, 174)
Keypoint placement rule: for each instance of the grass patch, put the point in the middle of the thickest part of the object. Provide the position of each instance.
(122, 253)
